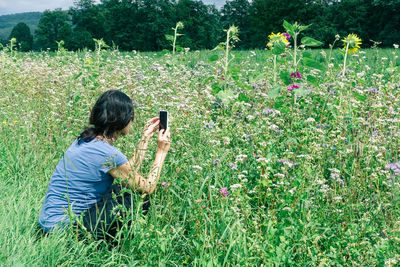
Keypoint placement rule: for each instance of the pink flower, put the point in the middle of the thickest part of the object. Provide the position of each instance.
(163, 184)
(286, 35)
(296, 75)
(293, 86)
(223, 191)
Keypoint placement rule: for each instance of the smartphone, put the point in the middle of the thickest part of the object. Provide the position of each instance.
(163, 120)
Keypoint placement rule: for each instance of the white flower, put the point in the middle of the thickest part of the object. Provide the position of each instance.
(395, 46)
(197, 167)
(226, 140)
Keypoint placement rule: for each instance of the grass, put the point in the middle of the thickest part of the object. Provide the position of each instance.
(306, 174)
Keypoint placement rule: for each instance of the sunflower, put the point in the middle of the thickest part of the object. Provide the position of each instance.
(275, 39)
(353, 43)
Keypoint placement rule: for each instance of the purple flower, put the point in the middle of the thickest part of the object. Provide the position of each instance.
(296, 75)
(163, 184)
(287, 35)
(267, 111)
(371, 90)
(293, 86)
(216, 161)
(224, 191)
(395, 167)
(233, 166)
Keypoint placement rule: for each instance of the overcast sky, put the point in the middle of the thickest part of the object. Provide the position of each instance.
(18, 6)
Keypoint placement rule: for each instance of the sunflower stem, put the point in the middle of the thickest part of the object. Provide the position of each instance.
(295, 51)
(274, 69)
(345, 58)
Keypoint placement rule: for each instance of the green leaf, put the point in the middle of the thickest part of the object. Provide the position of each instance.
(359, 97)
(300, 91)
(225, 96)
(274, 91)
(309, 62)
(278, 48)
(308, 41)
(77, 76)
(307, 54)
(213, 58)
(242, 97)
(169, 37)
(278, 104)
(209, 79)
(289, 27)
(303, 28)
(216, 88)
(285, 77)
(313, 80)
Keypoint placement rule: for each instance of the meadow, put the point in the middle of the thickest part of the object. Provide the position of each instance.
(257, 175)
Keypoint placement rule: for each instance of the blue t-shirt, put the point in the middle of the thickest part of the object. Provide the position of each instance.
(81, 177)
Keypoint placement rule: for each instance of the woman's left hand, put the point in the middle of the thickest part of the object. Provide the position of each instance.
(151, 127)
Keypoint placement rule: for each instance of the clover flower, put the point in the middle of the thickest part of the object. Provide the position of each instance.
(352, 42)
(223, 191)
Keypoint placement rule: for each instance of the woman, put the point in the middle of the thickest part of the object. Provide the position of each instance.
(82, 183)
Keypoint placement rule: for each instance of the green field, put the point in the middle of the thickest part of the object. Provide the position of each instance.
(310, 173)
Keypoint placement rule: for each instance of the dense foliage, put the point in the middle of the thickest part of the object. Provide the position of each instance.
(23, 36)
(142, 24)
(306, 175)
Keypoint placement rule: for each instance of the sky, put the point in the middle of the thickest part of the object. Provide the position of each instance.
(19, 6)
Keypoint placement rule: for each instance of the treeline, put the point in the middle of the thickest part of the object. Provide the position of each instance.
(143, 24)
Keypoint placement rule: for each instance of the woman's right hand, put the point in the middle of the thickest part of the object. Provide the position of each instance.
(164, 140)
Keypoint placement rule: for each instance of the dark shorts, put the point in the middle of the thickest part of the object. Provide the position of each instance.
(105, 218)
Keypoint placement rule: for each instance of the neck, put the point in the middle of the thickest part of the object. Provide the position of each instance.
(108, 140)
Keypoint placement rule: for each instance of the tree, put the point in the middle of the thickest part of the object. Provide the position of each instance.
(139, 25)
(88, 23)
(53, 27)
(22, 33)
(203, 29)
(237, 12)
(268, 15)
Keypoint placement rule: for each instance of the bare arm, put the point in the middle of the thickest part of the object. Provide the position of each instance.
(129, 172)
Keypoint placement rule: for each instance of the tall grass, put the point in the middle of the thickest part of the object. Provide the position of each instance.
(306, 179)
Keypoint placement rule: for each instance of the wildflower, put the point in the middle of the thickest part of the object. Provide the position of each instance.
(234, 186)
(197, 167)
(276, 40)
(233, 166)
(286, 35)
(267, 111)
(296, 75)
(293, 86)
(163, 184)
(395, 167)
(4, 122)
(395, 46)
(216, 161)
(351, 43)
(223, 191)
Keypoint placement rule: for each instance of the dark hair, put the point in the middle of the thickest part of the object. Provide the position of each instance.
(112, 112)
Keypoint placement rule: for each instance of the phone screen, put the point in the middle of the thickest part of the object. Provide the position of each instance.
(163, 119)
